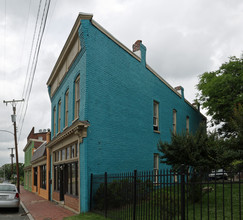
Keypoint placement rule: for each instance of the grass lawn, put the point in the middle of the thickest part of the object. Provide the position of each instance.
(222, 202)
(86, 216)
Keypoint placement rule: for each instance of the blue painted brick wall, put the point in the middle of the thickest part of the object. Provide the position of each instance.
(120, 94)
(117, 93)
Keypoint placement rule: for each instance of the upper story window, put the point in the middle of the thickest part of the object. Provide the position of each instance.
(59, 117)
(187, 125)
(77, 97)
(156, 167)
(54, 121)
(156, 116)
(66, 108)
(174, 121)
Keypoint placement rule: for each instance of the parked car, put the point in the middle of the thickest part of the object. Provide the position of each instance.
(9, 196)
(219, 174)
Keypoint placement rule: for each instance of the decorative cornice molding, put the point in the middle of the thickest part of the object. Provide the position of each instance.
(78, 128)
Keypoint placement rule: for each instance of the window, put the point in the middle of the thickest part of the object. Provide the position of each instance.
(174, 121)
(70, 178)
(156, 116)
(35, 176)
(67, 153)
(62, 154)
(187, 125)
(156, 167)
(56, 177)
(77, 97)
(43, 177)
(59, 155)
(66, 108)
(76, 150)
(59, 116)
(54, 121)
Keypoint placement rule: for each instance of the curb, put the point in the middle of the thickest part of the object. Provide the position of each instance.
(26, 210)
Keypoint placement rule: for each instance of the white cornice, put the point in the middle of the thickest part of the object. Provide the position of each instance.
(66, 47)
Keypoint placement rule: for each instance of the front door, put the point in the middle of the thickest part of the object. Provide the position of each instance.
(61, 183)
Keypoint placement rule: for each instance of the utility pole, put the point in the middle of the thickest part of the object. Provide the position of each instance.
(11, 156)
(14, 103)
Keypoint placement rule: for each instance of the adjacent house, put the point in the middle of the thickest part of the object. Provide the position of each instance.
(41, 170)
(109, 110)
(34, 140)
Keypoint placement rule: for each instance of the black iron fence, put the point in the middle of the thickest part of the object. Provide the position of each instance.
(163, 194)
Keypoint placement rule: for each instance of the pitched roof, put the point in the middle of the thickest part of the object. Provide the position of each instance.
(39, 152)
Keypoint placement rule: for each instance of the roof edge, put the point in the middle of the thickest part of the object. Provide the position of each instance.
(81, 16)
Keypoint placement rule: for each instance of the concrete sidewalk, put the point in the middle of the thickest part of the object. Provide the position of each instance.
(41, 209)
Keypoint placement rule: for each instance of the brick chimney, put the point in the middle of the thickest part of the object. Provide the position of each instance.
(180, 90)
(136, 46)
(140, 50)
(48, 136)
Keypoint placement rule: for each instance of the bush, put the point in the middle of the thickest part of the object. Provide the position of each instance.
(120, 193)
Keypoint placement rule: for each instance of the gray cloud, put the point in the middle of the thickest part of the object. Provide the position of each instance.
(183, 39)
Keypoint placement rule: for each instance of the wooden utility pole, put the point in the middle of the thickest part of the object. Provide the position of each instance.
(11, 156)
(14, 103)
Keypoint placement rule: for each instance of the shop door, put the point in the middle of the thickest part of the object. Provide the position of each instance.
(61, 184)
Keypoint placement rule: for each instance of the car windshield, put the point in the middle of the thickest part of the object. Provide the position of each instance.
(7, 188)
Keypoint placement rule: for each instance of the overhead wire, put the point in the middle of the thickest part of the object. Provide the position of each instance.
(21, 59)
(35, 58)
(4, 40)
(28, 73)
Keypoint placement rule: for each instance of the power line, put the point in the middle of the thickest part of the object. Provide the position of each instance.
(36, 54)
(28, 73)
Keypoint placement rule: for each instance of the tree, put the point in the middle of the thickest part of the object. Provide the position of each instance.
(221, 91)
(235, 142)
(200, 151)
(7, 169)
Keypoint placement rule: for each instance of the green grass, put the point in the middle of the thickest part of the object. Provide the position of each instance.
(86, 216)
(225, 204)
(153, 209)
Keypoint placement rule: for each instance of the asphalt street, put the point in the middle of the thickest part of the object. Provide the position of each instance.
(12, 214)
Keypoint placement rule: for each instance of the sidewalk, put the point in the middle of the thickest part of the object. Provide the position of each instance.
(41, 209)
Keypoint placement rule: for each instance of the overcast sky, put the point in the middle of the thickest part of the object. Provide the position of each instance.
(184, 38)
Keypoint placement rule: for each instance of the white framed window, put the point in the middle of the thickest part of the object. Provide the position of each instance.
(66, 108)
(54, 121)
(77, 98)
(174, 121)
(59, 117)
(156, 116)
(156, 167)
(187, 125)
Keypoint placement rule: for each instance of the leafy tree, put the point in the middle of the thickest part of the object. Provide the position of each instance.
(200, 151)
(221, 91)
(235, 142)
(7, 169)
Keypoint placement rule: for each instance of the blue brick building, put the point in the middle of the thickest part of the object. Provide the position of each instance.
(109, 110)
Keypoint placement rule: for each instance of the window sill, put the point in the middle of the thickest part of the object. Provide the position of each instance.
(158, 132)
(65, 128)
(71, 195)
(76, 119)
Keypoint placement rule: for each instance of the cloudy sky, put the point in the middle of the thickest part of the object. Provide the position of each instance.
(184, 38)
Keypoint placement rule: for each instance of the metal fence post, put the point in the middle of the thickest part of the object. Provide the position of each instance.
(91, 191)
(183, 192)
(134, 194)
(105, 192)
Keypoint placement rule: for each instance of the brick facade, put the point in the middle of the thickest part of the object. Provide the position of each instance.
(117, 91)
(56, 195)
(72, 202)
